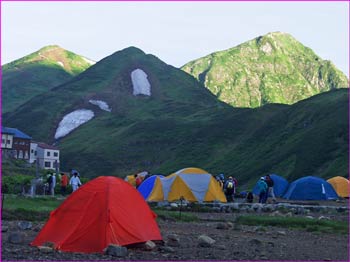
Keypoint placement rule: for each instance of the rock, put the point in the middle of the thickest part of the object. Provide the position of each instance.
(168, 249)
(222, 225)
(149, 245)
(300, 211)
(45, 249)
(275, 213)
(174, 205)
(289, 214)
(173, 240)
(49, 244)
(24, 225)
(323, 218)
(221, 247)
(116, 251)
(16, 238)
(282, 233)
(205, 241)
(255, 241)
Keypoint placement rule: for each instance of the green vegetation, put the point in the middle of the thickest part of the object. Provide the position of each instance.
(177, 215)
(274, 68)
(36, 204)
(308, 224)
(182, 124)
(38, 73)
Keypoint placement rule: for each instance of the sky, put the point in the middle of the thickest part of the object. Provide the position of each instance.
(175, 32)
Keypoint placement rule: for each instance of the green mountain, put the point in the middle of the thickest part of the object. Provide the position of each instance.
(182, 124)
(274, 68)
(37, 73)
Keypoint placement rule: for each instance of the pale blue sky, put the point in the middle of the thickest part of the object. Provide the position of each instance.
(176, 32)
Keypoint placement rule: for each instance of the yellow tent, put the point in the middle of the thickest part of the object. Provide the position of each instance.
(192, 184)
(341, 185)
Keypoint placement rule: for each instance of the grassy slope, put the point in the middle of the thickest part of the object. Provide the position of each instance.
(274, 68)
(182, 124)
(37, 73)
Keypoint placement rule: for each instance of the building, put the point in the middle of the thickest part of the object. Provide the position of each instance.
(48, 157)
(6, 139)
(15, 143)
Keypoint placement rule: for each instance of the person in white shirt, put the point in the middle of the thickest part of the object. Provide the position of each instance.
(75, 182)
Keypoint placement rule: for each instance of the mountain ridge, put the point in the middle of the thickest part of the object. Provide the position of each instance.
(274, 68)
(37, 73)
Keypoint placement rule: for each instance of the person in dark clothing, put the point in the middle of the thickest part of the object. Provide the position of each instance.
(229, 189)
(250, 197)
(270, 191)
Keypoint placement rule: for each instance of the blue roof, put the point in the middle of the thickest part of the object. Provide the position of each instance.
(15, 132)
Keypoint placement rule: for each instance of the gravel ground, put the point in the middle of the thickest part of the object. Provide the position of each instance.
(236, 242)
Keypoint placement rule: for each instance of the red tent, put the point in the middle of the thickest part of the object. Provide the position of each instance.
(106, 210)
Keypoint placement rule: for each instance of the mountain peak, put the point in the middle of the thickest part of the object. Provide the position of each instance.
(273, 68)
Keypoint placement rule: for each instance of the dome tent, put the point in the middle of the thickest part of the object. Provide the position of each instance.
(310, 188)
(279, 188)
(192, 184)
(341, 185)
(106, 210)
(147, 185)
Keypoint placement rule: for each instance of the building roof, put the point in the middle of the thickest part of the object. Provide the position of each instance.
(15, 132)
(46, 146)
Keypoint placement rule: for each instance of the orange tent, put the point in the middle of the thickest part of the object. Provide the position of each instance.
(106, 210)
(341, 185)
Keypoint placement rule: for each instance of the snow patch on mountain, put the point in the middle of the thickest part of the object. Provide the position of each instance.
(72, 120)
(140, 83)
(101, 104)
(60, 63)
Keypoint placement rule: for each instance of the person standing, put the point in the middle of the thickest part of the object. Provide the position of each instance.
(262, 188)
(53, 185)
(75, 182)
(64, 183)
(229, 189)
(270, 191)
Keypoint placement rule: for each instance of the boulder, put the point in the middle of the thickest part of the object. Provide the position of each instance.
(116, 251)
(205, 241)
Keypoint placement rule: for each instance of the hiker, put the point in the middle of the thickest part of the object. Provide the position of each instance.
(53, 184)
(220, 182)
(75, 182)
(262, 189)
(64, 183)
(229, 189)
(270, 191)
(138, 180)
(250, 197)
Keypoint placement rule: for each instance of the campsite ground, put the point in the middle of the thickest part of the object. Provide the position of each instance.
(233, 242)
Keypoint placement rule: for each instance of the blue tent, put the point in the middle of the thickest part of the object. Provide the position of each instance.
(310, 188)
(279, 188)
(147, 185)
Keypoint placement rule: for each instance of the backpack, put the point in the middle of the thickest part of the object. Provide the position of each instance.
(230, 185)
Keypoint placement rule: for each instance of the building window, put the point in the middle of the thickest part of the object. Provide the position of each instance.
(26, 156)
(20, 154)
(48, 153)
(32, 151)
(35, 153)
(55, 154)
(47, 164)
(3, 141)
(8, 141)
